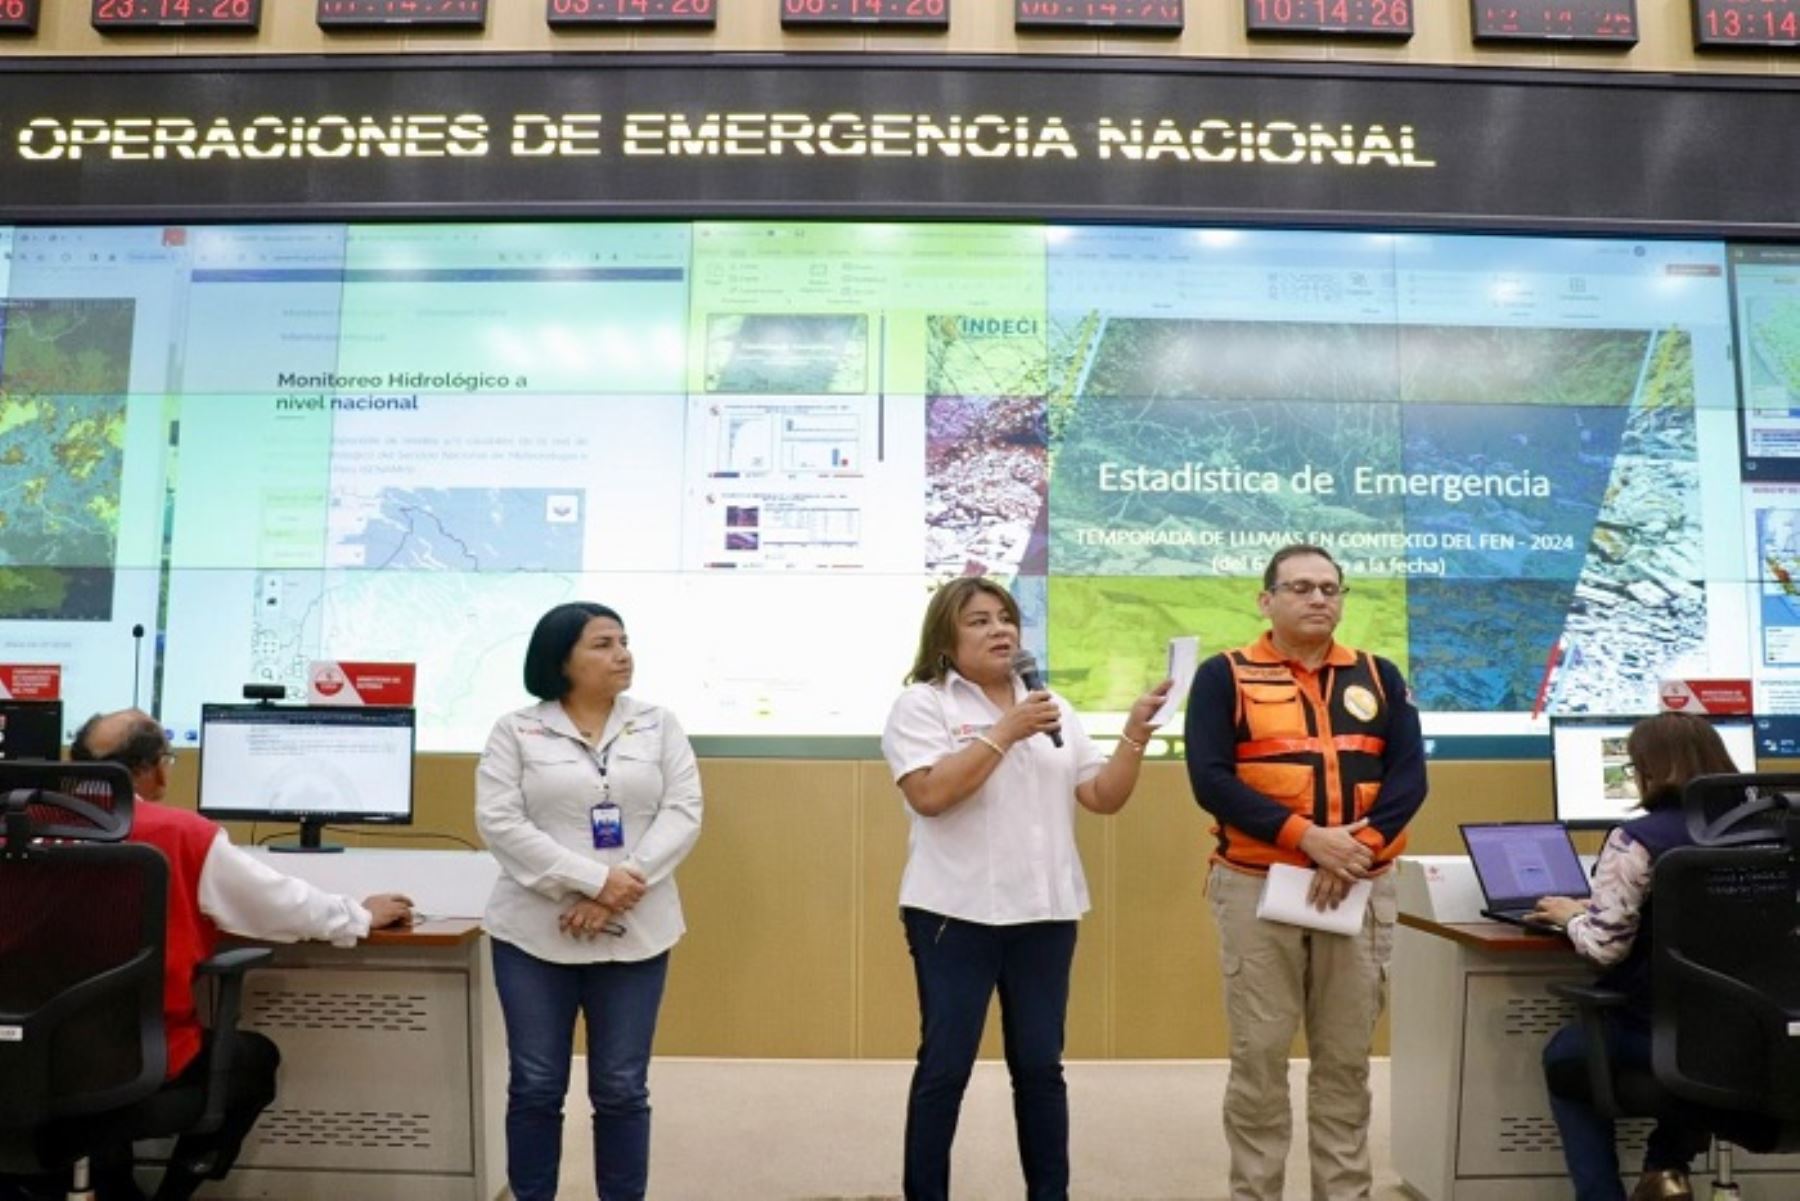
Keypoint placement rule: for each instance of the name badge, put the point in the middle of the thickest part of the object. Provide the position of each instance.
(608, 825)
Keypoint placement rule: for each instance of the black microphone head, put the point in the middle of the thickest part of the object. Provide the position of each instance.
(137, 631)
(1025, 666)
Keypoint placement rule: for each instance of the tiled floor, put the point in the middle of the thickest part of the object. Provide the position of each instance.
(811, 1131)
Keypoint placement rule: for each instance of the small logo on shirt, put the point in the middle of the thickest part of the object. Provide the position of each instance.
(1361, 702)
(970, 729)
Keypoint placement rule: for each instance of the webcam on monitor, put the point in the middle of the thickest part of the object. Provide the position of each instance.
(265, 692)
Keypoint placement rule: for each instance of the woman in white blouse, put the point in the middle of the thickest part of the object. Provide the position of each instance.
(993, 886)
(1612, 929)
(588, 800)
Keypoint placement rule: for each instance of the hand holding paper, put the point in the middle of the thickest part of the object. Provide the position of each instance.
(1287, 897)
(1184, 660)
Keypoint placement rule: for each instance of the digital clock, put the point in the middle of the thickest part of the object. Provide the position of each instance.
(382, 14)
(633, 12)
(862, 14)
(1334, 18)
(1758, 24)
(1153, 16)
(18, 16)
(114, 16)
(1594, 22)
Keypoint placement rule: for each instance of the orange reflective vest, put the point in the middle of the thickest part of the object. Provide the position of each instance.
(1311, 742)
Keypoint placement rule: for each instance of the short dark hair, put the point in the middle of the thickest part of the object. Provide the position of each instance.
(937, 634)
(552, 639)
(143, 748)
(1294, 550)
(1670, 749)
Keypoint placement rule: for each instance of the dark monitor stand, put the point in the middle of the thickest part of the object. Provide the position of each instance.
(310, 828)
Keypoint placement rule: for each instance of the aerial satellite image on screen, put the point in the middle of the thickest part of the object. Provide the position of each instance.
(63, 371)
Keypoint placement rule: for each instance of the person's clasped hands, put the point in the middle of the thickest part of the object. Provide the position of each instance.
(1342, 861)
(590, 917)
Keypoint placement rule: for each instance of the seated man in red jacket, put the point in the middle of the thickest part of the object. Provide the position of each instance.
(214, 888)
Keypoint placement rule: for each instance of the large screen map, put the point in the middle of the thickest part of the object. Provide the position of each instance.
(764, 443)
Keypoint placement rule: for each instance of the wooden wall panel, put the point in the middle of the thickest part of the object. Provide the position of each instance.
(794, 946)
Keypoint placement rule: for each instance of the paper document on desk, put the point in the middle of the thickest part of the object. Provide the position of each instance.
(1284, 900)
(1184, 660)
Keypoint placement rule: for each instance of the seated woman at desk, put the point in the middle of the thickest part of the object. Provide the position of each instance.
(1612, 928)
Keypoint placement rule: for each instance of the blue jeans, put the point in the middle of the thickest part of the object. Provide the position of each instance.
(540, 1001)
(1587, 1137)
(958, 965)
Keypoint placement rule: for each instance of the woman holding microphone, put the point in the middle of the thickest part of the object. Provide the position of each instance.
(992, 771)
(588, 800)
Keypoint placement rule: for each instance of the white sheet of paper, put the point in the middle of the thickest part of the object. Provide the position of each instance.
(1184, 660)
(1284, 900)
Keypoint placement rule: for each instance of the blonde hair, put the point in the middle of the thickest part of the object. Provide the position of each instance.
(937, 635)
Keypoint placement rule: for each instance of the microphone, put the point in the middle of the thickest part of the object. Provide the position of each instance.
(137, 660)
(1027, 667)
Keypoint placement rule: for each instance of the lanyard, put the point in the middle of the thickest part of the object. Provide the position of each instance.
(602, 760)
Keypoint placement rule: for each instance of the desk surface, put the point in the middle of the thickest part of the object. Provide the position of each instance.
(444, 932)
(1489, 936)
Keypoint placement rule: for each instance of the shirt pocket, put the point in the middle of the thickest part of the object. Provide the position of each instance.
(1289, 785)
(1274, 711)
(636, 772)
(551, 769)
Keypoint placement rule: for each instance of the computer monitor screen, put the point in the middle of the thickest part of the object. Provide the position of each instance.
(315, 765)
(1591, 773)
(31, 729)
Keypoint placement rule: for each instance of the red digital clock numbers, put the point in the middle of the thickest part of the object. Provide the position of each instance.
(111, 16)
(632, 12)
(1391, 19)
(1151, 16)
(1592, 22)
(368, 14)
(900, 14)
(18, 16)
(1758, 24)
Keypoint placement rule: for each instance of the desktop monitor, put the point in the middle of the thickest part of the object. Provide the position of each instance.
(1591, 774)
(315, 765)
(31, 729)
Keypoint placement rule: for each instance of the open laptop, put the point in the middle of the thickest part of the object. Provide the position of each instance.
(1517, 863)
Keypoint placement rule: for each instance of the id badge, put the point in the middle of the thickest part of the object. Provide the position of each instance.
(608, 825)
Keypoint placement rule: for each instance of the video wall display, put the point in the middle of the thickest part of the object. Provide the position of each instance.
(1549, 477)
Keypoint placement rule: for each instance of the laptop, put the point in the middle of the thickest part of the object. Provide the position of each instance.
(1517, 863)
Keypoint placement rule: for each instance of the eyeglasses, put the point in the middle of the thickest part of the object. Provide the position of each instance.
(1305, 588)
(167, 758)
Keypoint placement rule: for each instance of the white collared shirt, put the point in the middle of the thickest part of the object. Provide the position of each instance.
(245, 896)
(534, 790)
(1006, 854)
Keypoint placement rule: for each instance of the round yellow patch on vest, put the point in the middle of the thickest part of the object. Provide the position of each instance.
(1361, 702)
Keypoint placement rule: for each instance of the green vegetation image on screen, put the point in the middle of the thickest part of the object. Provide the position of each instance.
(765, 443)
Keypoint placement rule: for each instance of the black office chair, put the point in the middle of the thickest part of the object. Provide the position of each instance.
(82, 921)
(1725, 977)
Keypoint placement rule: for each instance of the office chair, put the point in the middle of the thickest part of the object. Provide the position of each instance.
(1725, 977)
(82, 1047)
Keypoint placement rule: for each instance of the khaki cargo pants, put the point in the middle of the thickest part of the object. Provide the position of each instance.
(1275, 975)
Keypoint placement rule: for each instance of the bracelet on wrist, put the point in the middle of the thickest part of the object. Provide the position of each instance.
(991, 745)
(1133, 743)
